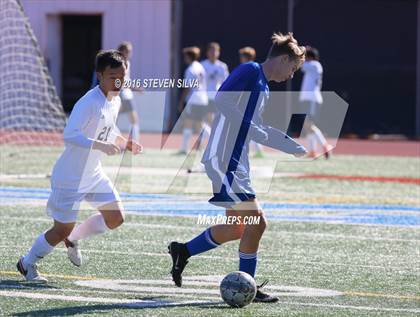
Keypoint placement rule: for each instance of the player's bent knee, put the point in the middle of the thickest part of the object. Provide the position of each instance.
(114, 219)
(263, 223)
(62, 231)
(260, 225)
(237, 231)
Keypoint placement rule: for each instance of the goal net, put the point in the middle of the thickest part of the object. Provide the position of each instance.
(31, 115)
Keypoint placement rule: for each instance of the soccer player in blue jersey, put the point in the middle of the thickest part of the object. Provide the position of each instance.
(240, 102)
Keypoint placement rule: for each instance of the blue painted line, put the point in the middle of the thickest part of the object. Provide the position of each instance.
(48, 191)
(343, 206)
(167, 205)
(24, 197)
(375, 219)
(24, 190)
(161, 205)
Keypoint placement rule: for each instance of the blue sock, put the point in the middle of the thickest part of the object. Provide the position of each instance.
(248, 263)
(201, 243)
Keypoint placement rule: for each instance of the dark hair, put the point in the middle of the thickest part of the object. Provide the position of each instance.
(111, 58)
(312, 53)
(248, 52)
(214, 45)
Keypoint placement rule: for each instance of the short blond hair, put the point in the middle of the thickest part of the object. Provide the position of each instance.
(193, 52)
(126, 45)
(286, 45)
(248, 52)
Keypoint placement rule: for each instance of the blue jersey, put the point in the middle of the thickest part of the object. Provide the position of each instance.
(240, 103)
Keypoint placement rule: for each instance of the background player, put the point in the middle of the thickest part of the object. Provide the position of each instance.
(127, 96)
(310, 94)
(78, 175)
(194, 99)
(248, 54)
(216, 73)
(234, 124)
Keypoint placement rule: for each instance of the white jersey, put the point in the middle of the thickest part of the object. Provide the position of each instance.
(127, 93)
(198, 94)
(312, 82)
(216, 73)
(93, 118)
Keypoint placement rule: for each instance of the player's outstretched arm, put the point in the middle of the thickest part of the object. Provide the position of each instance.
(281, 141)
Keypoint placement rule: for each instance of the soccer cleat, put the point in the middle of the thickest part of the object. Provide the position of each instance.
(199, 168)
(73, 252)
(262, 297)
(327, 150)
(30, 272)
(179, 254)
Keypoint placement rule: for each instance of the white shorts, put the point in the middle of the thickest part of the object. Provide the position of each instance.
(64, 204)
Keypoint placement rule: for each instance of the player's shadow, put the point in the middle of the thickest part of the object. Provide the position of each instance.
(103, 308)
(19, 285)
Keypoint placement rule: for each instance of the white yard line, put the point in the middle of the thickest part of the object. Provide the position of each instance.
(146, 304)
(126, 302)
(115, 292)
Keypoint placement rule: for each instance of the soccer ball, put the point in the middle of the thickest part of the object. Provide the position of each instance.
(238, 289)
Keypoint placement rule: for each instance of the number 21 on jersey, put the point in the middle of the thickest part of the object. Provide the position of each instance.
(104, 134)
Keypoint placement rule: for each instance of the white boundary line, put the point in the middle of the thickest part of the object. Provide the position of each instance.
(147, 304)
(111, 292)
(209, 287)
(125, 302)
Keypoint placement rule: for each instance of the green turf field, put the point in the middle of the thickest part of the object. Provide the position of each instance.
(332, 248)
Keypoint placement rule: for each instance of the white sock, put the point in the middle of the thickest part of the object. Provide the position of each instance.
(311, 142)
(319, 136)
(186, 136)
(91, 226)
(39, 249)
(135, 132)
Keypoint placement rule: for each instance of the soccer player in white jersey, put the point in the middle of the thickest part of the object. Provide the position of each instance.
(216, 74)
(194, 99)
(127, 96)
(248, 54)
(310, 95)
(78, 175)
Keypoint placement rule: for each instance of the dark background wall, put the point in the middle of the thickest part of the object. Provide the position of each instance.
(368, 49)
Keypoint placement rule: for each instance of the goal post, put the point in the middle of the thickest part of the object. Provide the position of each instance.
(31, 114)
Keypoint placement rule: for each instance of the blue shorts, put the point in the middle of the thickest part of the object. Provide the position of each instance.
(229, 187)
